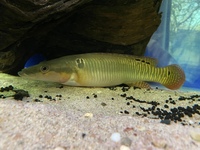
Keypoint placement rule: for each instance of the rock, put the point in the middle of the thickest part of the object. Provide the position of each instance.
(115, 137)
(123, 147)
(160, 144)
(20, 17)
(126, 141)
(195, 136)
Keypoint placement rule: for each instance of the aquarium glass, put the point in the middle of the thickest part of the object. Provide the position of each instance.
(177, 40)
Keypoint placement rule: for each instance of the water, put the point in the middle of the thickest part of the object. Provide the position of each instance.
(177, 39)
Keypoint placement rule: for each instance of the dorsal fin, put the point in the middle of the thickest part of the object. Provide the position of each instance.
(143, 59)
(147, 60)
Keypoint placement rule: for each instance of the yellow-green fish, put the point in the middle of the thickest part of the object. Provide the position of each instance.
(105, 69)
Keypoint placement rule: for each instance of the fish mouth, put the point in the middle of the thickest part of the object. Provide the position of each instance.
(22, 74)
(25, 75)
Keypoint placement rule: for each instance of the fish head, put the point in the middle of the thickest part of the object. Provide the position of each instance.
(52, 71)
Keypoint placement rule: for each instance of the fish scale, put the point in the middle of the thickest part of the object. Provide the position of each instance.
(101, 70)
(105, 69)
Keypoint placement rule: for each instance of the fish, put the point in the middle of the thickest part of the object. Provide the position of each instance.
(105, 70)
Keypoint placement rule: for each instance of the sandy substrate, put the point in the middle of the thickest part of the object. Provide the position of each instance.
(55, 118)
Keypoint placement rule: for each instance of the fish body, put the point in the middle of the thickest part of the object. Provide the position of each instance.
(105, 69)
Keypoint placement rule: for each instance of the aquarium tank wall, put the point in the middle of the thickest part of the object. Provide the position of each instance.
(177, 40)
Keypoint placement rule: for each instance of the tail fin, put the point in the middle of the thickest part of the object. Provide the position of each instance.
(175, 77)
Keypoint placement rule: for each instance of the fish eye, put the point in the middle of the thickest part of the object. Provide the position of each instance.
(44, 69)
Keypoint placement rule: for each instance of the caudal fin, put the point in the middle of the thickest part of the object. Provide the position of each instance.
(175, 77)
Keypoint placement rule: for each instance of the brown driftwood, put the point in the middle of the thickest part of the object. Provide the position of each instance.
(60, 27)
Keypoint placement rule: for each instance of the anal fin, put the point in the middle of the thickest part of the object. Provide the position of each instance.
(140, 84)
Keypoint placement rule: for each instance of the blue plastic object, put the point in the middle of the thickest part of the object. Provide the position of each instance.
(177, 40)
(34, 60)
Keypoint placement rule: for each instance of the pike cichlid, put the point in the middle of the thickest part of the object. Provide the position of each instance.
(105, 69)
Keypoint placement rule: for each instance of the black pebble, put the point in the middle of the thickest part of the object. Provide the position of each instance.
(126, 112)
(95, 95)
(181, 98)
(83, 135)
(2, 96)
(48, 97)
(6, 89)
(124, 89)
(137, 113)
(113, 88)
(166, 106)
(103, 104)
(10, 87)
(20, 94)
(61, 86)
(144, 115)
(173, 102)
(2, 89)
(123, 95)
(166, 121)
(59, 95)
(37, 100)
